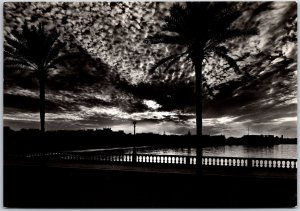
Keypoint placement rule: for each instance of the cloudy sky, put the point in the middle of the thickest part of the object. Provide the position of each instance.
(110, 85)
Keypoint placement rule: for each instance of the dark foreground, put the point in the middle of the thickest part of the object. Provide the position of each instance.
(53, 187)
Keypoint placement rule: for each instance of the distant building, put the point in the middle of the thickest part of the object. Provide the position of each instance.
(106, 129)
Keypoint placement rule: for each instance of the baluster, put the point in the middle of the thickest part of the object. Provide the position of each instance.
(187, 160)
(288, 164)
(283, 164)
(278, 164)
(257, 163)
(269, 164)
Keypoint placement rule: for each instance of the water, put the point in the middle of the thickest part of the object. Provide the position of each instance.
(274, 151)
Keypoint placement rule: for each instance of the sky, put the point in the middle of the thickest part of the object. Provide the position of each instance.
(111, 84)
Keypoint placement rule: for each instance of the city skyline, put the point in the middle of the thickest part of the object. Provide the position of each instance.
(114, 86)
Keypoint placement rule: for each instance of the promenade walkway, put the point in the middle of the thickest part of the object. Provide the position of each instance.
(166, 169)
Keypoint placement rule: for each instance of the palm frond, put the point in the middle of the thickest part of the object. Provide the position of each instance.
(16, 44)
(18, 58)
(54, 51)
(16, 67)
(167, 39)
(172, 62)
(229, 35)
(59, 59)
(229, 60)
(161, 62)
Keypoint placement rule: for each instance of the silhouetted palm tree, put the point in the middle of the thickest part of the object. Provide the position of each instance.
(200, 27)
(36, 50)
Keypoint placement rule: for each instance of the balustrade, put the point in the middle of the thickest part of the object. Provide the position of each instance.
(165, 159)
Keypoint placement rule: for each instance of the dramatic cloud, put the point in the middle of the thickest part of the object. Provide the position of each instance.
(110, 84)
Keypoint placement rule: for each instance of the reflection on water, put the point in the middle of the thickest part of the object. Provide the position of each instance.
(276, 151)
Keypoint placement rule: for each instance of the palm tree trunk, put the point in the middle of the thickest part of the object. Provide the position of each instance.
(197, 58)
(42, 80)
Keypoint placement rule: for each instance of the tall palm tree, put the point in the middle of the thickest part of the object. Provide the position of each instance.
(35, 50)
(200, 27)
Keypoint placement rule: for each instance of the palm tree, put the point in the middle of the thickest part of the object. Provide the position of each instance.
(34, 50)
(200, 28)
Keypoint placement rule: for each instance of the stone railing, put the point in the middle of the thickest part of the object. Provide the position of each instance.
(241, 162)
